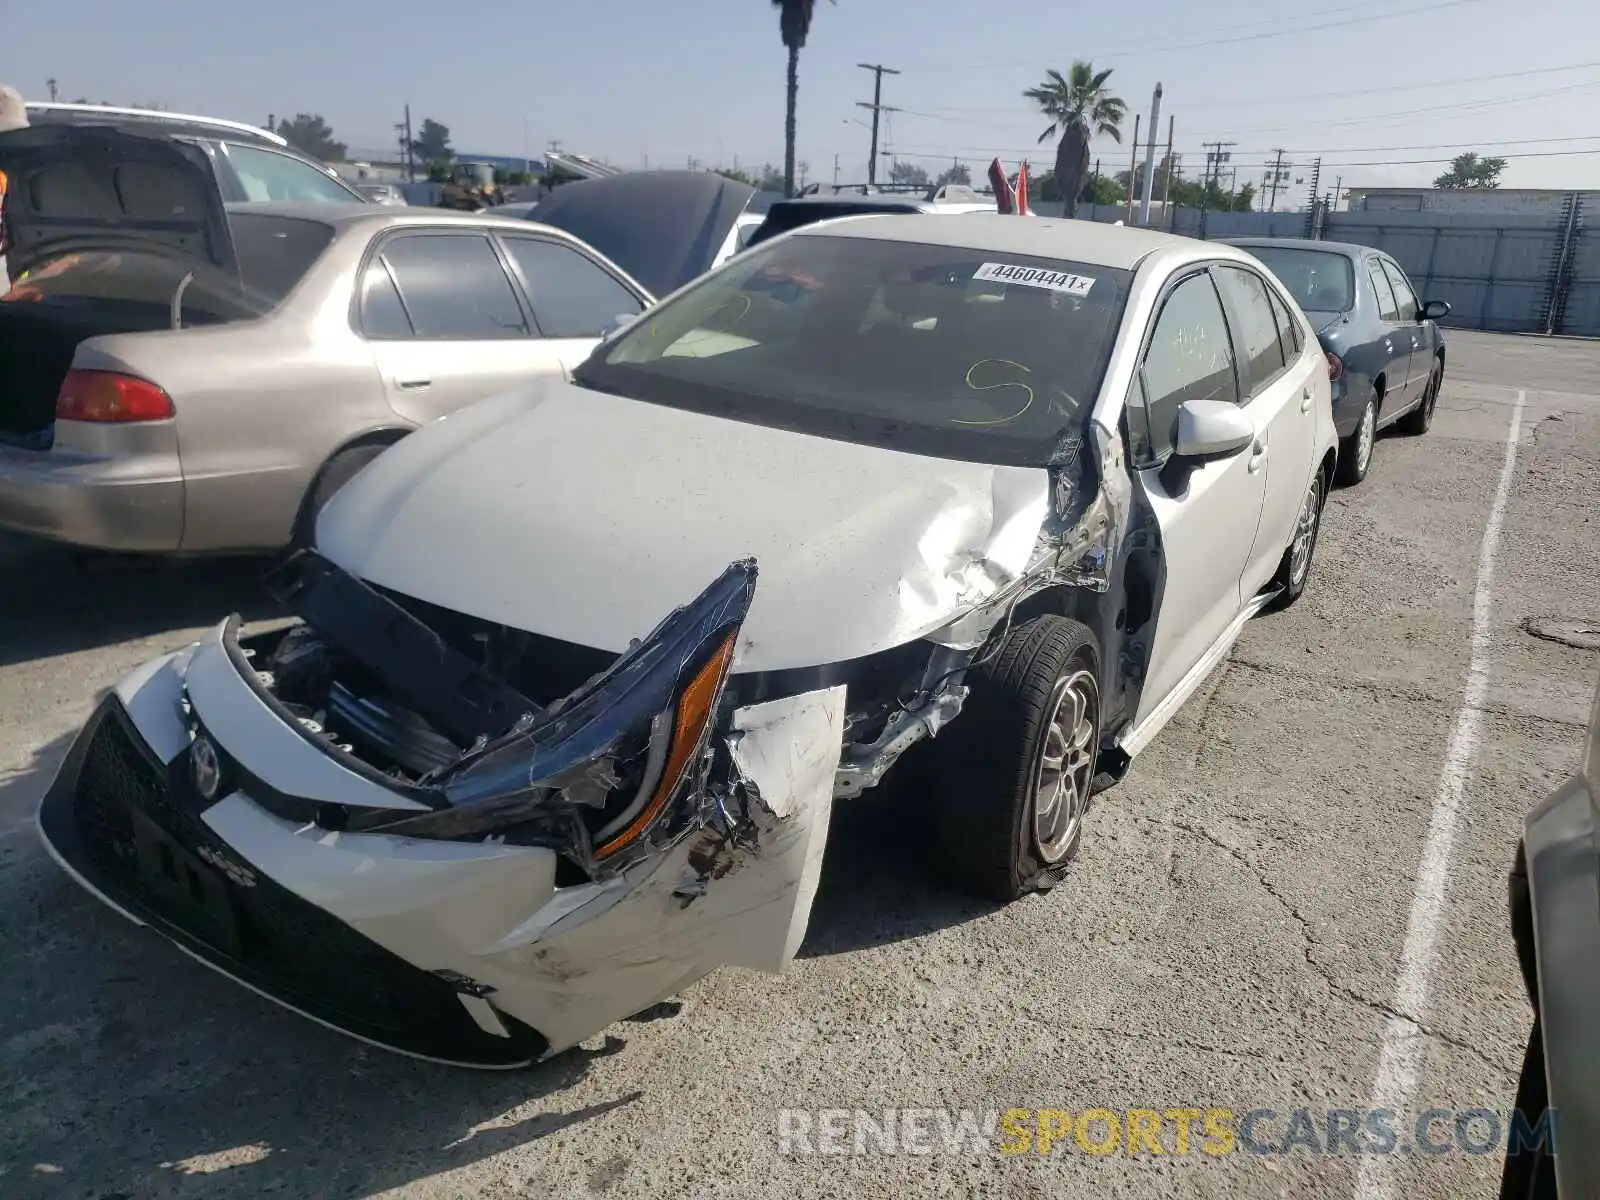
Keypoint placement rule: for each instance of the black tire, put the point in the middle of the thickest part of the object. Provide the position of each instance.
(1290, 581)
(336, 472)
(985, 839)
(1420, 419)
(1353, 463)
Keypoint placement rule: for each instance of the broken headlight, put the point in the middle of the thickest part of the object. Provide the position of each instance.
(601, 768)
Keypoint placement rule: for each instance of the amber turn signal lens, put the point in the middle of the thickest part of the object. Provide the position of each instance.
(696, 707)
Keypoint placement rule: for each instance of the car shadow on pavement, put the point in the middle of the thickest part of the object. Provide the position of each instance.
(878, 885)
(56, 602)
(129, 1071)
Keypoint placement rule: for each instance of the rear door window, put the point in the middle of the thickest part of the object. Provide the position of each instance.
(1405, 300)
(1258, 335)
(572, 295)
(1288, 327)
(383, 314)
(454, 287)
(1387, 308)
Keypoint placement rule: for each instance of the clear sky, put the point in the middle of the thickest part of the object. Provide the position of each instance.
(1370, 86)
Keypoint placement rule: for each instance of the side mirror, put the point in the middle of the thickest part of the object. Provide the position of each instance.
(1211, 429)
(1434, 310)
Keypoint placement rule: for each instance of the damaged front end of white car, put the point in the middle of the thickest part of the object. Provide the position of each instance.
(356, 819)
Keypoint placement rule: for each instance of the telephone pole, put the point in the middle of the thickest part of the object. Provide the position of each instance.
(878, 108)
(1277, 176)
(1217, 153)
(404, 131)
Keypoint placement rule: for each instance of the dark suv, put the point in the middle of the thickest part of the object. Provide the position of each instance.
(250, 163)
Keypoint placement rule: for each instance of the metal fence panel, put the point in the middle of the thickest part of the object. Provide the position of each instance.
(1580, 314)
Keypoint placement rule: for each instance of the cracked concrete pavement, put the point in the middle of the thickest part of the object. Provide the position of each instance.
(1230, 936)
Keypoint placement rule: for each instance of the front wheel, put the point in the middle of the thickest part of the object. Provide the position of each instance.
(1020, 762)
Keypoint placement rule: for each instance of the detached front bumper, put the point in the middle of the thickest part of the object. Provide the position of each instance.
(86, 501)
(462, 951)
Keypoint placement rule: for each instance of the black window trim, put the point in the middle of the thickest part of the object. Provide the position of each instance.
(1182, 275)
(374, 252)
(519, 281)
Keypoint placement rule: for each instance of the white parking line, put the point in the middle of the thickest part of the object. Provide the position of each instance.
(1401, 1057)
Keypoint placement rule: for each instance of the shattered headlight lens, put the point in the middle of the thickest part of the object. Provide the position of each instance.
(596, 772)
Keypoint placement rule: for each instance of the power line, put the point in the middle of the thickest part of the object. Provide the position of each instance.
(1309, 97)
(878, 109)
(1377, 162)
(1135, 51)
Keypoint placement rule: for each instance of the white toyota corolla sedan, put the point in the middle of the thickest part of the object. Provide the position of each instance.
(580, 672)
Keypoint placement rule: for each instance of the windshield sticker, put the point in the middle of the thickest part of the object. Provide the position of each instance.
(1038, 277)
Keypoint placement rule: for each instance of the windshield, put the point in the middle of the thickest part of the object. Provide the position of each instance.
(1319, 280)
(979, 355)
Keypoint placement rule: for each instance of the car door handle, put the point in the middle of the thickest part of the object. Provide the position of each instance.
(413, 385)
(1305, 399)
(1258, 455)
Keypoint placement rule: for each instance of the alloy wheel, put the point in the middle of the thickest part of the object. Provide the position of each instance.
(1065, 770)
(1305, 534)
(1365, 436)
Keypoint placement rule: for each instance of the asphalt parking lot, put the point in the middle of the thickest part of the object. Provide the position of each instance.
(1231, 936)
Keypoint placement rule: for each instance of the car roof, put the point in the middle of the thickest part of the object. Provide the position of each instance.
(348, 217)
(1348, 249)
(177, 124)
(1103, 245)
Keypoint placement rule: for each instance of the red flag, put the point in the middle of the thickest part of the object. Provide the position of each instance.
(1005, 197)
(1022, 190)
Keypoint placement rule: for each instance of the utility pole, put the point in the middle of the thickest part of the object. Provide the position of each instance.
(1278, 175)
(1133, 170)
(877, 106)
(1150, 159)
(1217, 153)
(403, 129)
(51, 84)
(1166, 184)
(835, 170)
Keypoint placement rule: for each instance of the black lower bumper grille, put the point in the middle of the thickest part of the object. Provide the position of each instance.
(133, 828)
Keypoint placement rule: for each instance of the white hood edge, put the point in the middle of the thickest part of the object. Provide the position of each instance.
(587, 517)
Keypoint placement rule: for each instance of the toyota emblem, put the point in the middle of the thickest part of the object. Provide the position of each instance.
(206, 768)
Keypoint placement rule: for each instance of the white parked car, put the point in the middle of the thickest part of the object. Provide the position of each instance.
(581, 671)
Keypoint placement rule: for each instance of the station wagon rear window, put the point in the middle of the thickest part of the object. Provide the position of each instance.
(926, 348)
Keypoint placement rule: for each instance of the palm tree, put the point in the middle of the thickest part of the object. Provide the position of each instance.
(1080, 106)
(794, 22)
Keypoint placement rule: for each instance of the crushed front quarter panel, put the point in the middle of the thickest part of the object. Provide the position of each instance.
(569, 962)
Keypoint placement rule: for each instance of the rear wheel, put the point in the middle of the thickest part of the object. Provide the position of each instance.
(1420, 419)
(1019, 764)
(1355, 451)
(1295, 568)
(336, 472)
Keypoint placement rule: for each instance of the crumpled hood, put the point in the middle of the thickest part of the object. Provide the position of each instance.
(587, 517)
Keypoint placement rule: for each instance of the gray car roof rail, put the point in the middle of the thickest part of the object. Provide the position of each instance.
(160, 117)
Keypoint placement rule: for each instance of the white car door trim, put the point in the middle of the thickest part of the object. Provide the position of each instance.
(1137, 737)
